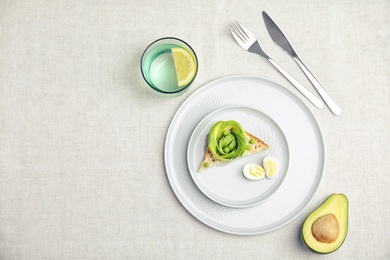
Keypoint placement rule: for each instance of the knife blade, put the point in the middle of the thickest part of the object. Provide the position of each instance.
(279, 39)
(277, 35)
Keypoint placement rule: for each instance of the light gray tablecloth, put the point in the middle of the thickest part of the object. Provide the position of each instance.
(81, 138)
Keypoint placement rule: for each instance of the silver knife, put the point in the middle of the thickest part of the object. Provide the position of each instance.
(281, 40)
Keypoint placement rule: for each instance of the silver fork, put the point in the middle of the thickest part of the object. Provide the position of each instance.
(248, 42)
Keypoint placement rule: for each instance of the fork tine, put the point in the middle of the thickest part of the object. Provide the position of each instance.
(236, 35)
(245, 31)
(233, 33)
(238, 28)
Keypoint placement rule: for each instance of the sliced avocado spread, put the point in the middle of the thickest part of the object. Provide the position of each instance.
(227, 140)
(325, 229)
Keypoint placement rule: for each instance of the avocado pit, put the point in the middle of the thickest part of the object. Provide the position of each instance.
(325, 229)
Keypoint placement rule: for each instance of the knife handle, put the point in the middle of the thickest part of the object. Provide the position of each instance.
(320, 89)
(313, 99)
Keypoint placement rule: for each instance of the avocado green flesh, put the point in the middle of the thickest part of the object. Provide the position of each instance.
(336, 206)
(227, 140)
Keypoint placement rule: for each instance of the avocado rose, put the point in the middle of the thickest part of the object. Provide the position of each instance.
(227, 140)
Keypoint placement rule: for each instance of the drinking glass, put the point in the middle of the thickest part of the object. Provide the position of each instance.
(169, 66)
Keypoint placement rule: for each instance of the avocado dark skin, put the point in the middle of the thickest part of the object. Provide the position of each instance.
(325, 229)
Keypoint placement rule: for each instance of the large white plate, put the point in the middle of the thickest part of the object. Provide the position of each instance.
(301, 131)
(224, 183)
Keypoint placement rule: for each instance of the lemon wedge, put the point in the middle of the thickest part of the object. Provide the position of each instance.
(185, 66)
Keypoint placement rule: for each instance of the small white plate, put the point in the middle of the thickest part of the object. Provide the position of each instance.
(225, 183)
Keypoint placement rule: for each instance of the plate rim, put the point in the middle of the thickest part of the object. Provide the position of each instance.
(184, 203)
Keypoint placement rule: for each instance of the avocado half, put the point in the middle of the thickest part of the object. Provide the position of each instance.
(325, 229)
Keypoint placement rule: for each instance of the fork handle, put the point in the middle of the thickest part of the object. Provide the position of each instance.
(320, 89)
(313, 99)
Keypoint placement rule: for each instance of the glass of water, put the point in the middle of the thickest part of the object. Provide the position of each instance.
(169, 66)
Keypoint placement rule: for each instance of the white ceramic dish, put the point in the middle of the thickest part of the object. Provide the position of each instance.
(225, 183)
(302, 134)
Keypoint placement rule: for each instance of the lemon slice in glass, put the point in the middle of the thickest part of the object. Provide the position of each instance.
(185, 66)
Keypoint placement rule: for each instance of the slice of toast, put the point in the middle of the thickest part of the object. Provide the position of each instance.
(256, 147)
